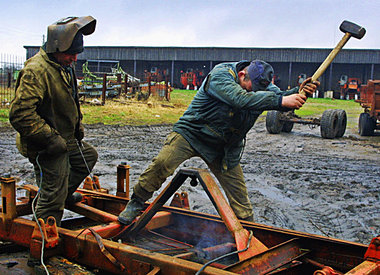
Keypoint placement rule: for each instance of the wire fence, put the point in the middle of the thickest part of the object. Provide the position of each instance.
(10, 66)
(152, 84)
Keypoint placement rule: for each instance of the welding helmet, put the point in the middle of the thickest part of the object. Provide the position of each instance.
(261, 74)
(67, 34)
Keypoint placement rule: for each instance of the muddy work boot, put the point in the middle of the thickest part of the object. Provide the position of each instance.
(73, 198)
(131, 211)
(32, 262)
(249, 219)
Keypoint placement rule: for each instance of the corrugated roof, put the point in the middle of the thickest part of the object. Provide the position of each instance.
(303, 55)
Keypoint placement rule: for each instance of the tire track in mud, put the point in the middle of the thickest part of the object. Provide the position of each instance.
(295, 180)
(327, 187)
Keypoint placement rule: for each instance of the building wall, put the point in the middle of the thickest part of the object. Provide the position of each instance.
(288, 63)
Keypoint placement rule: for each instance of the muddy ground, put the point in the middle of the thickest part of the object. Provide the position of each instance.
(295, 180)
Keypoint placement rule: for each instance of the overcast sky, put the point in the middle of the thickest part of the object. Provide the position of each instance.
(249, 23)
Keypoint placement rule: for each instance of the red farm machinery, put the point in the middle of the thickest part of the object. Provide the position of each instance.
(349, 87)
(370, 100)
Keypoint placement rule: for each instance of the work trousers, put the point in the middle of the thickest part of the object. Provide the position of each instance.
(175, 151)
(59, 176)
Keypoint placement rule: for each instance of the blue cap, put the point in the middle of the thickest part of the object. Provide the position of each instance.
(261, 74)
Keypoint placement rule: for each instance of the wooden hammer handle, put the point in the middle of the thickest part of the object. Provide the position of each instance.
(322, 68)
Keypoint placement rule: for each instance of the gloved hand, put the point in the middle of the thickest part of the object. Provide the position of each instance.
(79, 134)
(57, 145)
(308, 87)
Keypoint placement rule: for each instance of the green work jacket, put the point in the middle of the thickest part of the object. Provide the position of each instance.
(45, 104)
(222, 112)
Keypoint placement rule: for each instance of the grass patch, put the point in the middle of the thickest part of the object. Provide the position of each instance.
(133, 112)
(153, 111)
(4, 114)
(182, 98)
(316, 106)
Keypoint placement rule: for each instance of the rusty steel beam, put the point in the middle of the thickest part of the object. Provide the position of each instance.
(152, 209)
(220, 249)
(22, 209)
(211, 252)
(292, 117)
(84, 249)
(371, 265)
(271, 259)
(8, 198)
(314, 121)
(113, 227)
(105, 231)
(161, 219)
(122, 180)
(20, 232)
(8, 194)
(367, 268)
(240, 234)
(92, 213)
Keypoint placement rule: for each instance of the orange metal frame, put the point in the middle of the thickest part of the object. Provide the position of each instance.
(240, 234)
(91, 246)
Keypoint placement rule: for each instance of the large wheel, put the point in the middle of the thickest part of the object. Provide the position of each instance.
(273, 122)
(329, 124)
(287, 127)
(342, 123)
(366, 125)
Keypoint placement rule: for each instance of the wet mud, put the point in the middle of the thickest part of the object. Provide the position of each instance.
(295, 180)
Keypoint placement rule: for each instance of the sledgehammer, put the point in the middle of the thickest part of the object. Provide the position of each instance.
(349, 29)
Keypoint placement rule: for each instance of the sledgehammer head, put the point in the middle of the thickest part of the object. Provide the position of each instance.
(353, 29)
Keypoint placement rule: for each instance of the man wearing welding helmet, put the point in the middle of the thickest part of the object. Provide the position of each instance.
(214, 127)
(46, 114)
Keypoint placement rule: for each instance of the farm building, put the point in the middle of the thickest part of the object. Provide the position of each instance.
(172, 62)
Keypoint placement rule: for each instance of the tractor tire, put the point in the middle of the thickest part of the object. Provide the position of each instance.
(342, 123)
(273, 123)
(329, 124)
(287, 127)
(366, 125)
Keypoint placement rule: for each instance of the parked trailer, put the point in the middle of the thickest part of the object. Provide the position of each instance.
(333, 122)
(173, 239)
(369, 120)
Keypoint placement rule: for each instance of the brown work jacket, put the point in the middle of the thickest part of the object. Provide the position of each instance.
(44, 104)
